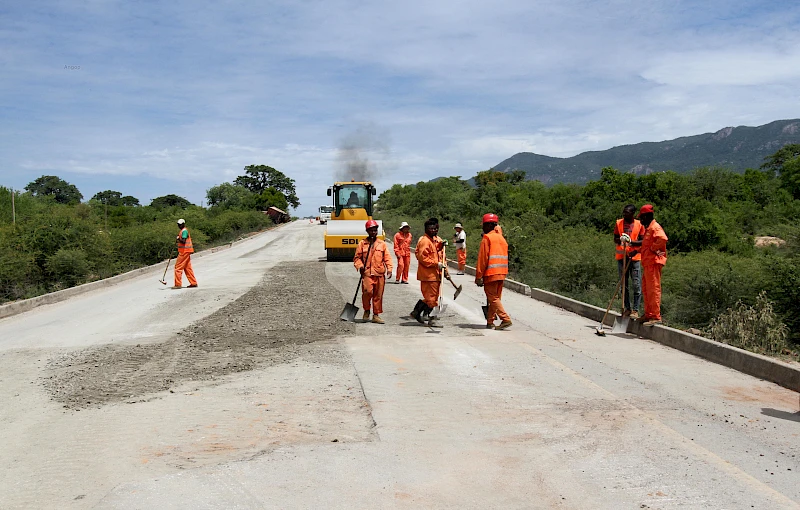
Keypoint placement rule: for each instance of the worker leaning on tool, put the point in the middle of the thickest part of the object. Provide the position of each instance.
(626, 230)
(654, 257)
(402, 250)
(460, 242)
(372, 259)
(184, 261)
(430, 255)
(492, 269)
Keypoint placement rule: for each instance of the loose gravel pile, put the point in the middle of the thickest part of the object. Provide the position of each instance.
(293, 305)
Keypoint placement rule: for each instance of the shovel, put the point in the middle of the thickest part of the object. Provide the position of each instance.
(458, 288)
(621, 323)
(440, 307)
(350, 309)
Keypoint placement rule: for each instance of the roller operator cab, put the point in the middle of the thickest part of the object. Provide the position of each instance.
(352, 207)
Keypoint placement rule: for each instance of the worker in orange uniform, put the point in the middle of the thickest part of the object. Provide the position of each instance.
(184, 261)
(654, 256)
(402, 250)
(430, 255)
(372, 260)
(492, 269)
(460, 242)
(627, 230)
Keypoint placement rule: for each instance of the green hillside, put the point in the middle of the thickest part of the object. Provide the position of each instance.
(732, 148)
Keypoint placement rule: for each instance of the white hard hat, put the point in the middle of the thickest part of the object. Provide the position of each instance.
(458, 225)
(403, 224)
(181, 222)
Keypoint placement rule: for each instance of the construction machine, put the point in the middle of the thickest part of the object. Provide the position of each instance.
(352, 207)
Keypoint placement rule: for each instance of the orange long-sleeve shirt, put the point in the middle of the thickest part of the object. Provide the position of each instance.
(379, 263)
(429, 258)
(402, 244)
(654, 245)
(492, 244)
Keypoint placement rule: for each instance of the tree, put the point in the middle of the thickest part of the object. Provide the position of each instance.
(108, 197)
(260, 177)
(130, 201)
(230, 196)
(51, 185)
(170, 201)
(271, 197)
(786, 162)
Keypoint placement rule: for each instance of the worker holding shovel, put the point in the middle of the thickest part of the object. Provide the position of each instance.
(492, 269)
(430, 255)
(373, 261)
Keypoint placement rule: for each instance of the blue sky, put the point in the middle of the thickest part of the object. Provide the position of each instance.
(175, 97)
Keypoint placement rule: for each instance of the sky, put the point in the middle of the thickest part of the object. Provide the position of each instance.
(151, 98)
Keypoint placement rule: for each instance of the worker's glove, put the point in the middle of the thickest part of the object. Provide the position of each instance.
(625, 238)
(479, 282)
(361, 269)
(442, 265)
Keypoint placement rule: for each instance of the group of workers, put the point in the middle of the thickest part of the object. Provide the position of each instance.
(373, 261)
(641, 253)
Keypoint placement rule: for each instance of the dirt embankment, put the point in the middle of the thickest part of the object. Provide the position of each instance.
(293, 305)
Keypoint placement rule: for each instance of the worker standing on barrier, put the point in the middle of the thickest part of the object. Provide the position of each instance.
(627, 230)
(491, 270)
(430, 255)
(654, 257)
(402, 250)
(372, 260)
(184, 260)
(460, 242)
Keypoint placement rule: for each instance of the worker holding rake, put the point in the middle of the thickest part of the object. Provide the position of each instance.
(373, 261)
(492, 269)
(184, 261)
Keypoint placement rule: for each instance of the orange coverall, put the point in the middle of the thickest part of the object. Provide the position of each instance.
(492, 266)
(402, 250)
(428, 272)
(377, 267)
(184, 260)
(654, 256)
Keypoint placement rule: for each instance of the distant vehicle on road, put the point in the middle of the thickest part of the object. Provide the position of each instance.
(325, 212)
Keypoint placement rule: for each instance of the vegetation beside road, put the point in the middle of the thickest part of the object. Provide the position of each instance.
(560, 237)
(54, 241)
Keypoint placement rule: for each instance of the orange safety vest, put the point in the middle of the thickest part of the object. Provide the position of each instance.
(186, 246)
(497, 261)
(635, 231)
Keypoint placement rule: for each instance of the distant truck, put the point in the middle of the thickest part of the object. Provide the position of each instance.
(325, 212)
(277, 215)
(352, 207)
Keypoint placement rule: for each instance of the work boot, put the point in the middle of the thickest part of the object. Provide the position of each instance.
(504, 325)
(365, 317)
(405, 282)
(417, 313)
(652, 322)
(634, 314)
(377, 319)
(177, 287)
(426, 313)
(193, 286)
(490, 326)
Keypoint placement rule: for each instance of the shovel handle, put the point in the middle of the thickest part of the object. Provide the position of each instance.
(362, 275)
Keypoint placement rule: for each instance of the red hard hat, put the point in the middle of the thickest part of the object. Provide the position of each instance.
(371, 223)
(647, 208)
(490, 218)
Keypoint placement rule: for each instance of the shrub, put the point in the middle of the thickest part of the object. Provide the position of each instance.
(756, 328)
(70, 266)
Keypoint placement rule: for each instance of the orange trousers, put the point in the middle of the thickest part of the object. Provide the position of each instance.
(462, 259)
(494, 291)
(184, 263)
(651, 289)
(430, 293)
(372, 293)
(403, 263)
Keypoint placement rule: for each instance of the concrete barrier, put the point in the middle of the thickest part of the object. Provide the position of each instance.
(24, 305)
(764, 367)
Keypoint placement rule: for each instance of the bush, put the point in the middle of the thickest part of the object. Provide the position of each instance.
(70, 266)
(756, 328)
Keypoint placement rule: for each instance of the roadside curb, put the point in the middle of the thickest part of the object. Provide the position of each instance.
(509, 284)
(757, 365)
(25, 305)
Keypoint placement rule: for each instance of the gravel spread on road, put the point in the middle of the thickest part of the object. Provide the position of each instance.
(291, 306)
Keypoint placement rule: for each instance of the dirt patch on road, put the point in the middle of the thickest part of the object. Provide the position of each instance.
(293, 305)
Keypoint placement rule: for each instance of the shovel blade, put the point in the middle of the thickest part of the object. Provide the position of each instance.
(349, 313)
(621, 325)
(458, 291)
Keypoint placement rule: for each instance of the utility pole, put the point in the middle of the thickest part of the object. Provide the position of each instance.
(13, 208)
(105, 201)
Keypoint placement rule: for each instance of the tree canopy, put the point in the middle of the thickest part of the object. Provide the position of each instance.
(51, 185)
(258, 178)
(170, 201)
(230, 196)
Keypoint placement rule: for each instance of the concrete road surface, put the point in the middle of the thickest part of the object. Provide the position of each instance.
(543, 415)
